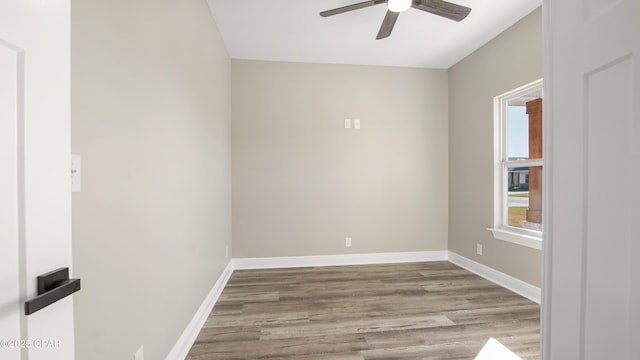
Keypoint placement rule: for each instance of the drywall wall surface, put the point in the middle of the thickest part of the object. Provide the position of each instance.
(509, 61)
(151, 121)
(302, 183)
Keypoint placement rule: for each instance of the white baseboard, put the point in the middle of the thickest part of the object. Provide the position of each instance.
(520, 287)
(188, 337)
(334, 260)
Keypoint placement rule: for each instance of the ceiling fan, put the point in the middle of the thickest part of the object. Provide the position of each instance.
(395, 7)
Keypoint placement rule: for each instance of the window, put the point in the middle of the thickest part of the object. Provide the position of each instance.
(519, 166)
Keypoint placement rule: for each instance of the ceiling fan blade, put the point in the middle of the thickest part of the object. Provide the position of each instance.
(387, 24)
(442, 8)
(352, 7)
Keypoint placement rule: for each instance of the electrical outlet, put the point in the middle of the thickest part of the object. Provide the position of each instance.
(226, 252)
(479, 249)
(139, 355)
(347, 242)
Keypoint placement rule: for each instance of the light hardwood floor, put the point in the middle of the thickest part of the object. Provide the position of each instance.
(431, 310)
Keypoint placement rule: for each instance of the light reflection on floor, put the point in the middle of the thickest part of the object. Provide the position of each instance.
(494, 350)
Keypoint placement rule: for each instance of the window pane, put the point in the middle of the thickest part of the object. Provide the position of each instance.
(517, 133)
(524, 197)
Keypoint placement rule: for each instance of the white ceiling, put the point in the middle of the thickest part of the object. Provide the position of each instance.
(293, 30)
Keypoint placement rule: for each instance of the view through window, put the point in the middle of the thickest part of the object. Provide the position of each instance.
(522, 158)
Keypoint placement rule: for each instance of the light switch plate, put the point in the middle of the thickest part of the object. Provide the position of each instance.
(347, 123)
(75, 173)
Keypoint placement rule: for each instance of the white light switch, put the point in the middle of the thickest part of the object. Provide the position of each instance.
(356, 124)
(75, 173)
(347, 123)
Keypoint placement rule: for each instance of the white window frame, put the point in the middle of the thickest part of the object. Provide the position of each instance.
(501, 229)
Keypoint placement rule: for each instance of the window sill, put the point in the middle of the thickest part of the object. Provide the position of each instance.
(531, 241)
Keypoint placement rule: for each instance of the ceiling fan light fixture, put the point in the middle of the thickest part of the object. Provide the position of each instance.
(398, 5)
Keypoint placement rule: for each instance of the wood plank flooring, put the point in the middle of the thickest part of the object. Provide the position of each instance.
(432, 310)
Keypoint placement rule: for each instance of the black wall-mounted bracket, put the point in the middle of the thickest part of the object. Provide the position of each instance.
(52, 286)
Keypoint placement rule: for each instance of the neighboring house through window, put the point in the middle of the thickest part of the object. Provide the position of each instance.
(518, 166)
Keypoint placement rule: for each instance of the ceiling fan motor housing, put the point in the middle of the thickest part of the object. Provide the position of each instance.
(399, 5)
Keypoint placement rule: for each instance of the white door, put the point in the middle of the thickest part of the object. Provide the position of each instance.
(592, 247)
(35, 216)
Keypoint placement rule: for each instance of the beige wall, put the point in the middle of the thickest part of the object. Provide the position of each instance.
(511, 60)
(302, 182)
(150, 118)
